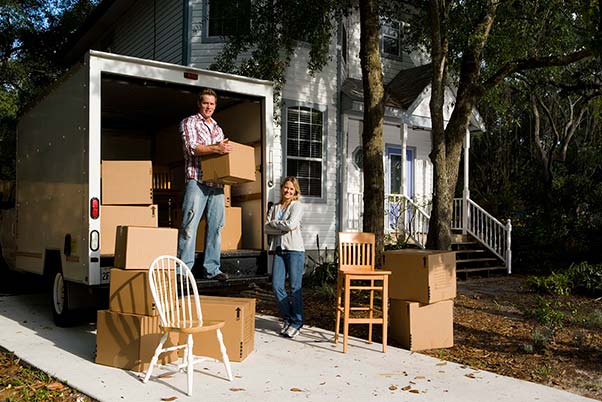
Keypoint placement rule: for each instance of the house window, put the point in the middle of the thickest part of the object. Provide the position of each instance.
(390, 38)
(344, 43)
(304, 148)
(228, 17)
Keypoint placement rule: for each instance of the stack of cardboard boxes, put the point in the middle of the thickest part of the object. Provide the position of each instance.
(422, 287)
(127, 199)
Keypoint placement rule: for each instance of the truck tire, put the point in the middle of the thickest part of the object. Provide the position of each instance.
(59, 302)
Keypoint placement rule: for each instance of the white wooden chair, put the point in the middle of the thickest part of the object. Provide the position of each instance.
(177, 301)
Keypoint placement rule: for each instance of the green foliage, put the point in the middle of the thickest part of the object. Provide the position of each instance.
(582, 278)
(547, 313)
(325, 270)
(554, 284)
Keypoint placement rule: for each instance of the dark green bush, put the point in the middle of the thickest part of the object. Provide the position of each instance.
(582, 278)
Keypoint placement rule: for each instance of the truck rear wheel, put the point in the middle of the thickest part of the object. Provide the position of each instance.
(59, 302)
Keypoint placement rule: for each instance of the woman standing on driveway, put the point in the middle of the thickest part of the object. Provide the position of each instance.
(283, 226)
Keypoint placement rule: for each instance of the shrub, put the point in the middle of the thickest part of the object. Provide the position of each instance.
(554, 284)
(586, 278)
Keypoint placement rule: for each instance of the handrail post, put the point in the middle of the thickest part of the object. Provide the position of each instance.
(509, 246)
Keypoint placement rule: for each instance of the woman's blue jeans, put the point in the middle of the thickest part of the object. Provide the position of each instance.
(291, 263)
(199, 198)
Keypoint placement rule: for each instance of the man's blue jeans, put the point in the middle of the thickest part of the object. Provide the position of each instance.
(291, 263)
(199, 198)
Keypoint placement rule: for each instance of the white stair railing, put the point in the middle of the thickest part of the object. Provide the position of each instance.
(402, 217)
(494, 235)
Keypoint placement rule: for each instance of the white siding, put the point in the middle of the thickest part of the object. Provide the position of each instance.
(151, 30)
(390, 66)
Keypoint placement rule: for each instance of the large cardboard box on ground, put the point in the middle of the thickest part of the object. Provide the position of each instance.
(425, 276)
(129, 292)
(238, 166)
(422, 326)
(238, 332)
(231, 232)
(137, 247)
(112, 216)
(127, 182)
(129, 341)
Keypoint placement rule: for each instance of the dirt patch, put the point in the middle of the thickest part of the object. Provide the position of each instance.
(500, 326)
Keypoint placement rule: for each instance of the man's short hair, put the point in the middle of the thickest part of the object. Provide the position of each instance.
(207, 91)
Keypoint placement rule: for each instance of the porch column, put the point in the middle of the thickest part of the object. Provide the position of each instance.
(404, 173)
(466, 190)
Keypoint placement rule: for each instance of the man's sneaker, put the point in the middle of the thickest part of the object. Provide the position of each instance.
(292, 332)
(284, 326)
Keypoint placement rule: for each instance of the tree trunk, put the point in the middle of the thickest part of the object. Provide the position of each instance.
(372, 135)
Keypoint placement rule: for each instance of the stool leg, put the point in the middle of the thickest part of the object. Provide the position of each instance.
(338, 307)
(346, 313)
(385, 310)
(371, 311)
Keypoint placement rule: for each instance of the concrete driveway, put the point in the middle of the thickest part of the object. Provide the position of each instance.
(308, 368)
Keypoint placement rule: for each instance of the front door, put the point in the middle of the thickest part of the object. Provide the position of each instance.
(393, 180)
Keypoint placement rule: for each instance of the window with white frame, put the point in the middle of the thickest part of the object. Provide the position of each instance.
(228, 17)
(390, 38)
(304, 148)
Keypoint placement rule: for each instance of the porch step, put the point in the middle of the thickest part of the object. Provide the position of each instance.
(467, 260)
(472, 257)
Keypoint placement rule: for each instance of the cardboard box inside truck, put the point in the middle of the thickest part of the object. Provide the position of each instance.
(129, 341)
(126, 182)
(137, 247)
(112, 216)
(238, 332)
(238, 166)
(231, 232)
(422, 326)
(425, 276)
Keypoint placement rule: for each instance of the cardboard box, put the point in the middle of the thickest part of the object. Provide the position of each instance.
(129, 292)
(238, 166)
(112, 216)
(422, 326)
(231, 232)
(238, 332)
(126, 182)
(425, 276)
(137, 247)
(129, 341)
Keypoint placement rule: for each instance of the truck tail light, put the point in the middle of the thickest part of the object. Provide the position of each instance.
(94, 208)
(94, 240)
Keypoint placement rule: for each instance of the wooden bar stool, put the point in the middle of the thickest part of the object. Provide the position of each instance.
(356, 272)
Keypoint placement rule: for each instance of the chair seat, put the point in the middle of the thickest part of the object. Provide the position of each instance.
(194, 327)
(376, 272)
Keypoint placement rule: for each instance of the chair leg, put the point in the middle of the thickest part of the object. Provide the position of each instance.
(155, 357)
(338, 306)
(385, 311)
(190, 367)
(346, 313)
(222, 348)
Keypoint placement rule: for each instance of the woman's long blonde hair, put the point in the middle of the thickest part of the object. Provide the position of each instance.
(295, 184)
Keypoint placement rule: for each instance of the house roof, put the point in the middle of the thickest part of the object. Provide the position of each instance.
(401, 92)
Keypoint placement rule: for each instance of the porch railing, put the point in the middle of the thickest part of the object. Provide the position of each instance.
(493, 234)
(405, 217)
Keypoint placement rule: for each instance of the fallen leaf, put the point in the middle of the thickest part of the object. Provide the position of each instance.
(165, 375)
(407, 387)
(294, 389)
(392, 387)
(55, 386)
(237, 389)
(323, 383)
(470, 375)
(419, 377)
(441, 364)
(414, 391)
(412, 382)
(169, 398)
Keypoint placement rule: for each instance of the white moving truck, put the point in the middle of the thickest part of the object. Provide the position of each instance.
(112, 107)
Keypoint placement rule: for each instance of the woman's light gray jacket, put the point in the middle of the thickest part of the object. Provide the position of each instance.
(287, 229)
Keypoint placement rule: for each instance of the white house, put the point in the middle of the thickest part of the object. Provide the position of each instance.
(319, 133)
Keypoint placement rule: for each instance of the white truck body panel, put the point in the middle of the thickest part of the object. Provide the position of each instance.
(59, 154)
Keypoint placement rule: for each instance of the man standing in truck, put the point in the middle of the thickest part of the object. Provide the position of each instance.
(201, 135)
